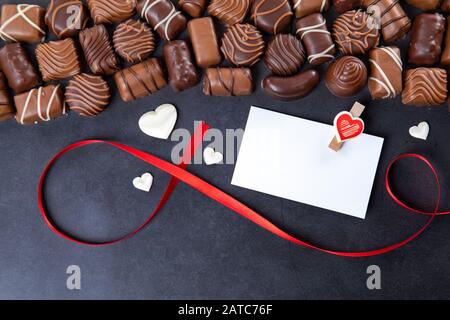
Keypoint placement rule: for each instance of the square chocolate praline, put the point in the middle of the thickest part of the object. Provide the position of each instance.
(58, 59)
(17, 29)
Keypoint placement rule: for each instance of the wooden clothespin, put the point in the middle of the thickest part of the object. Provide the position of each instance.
(348, 126)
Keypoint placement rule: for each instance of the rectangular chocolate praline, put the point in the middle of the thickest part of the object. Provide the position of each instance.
(426, 39)
(98, 51)
(140, 80)
(22, 23)
(425, 87)
(40, 105)
(445, 60)
(304, 8)
(163, 17)
(386, 78)
(204, 41)
(313, 32)
(6, 106)
(180, 66)
(18, 69)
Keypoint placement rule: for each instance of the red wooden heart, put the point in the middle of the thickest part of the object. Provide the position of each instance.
(347, 126)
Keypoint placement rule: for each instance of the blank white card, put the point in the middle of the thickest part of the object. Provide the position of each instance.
(289, 157)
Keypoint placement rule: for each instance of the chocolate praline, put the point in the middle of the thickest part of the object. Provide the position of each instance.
(272, 16)
(346, 76)
(284, 55)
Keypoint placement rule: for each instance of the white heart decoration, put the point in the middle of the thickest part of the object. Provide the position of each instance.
(211, 156)
(144, 182)
(159, 123)
(421, 131)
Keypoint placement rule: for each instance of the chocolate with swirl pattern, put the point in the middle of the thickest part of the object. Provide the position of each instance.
(395, 23)
(346, 76)
(133, 41)
(354, 34)
(163, 17)
(98, 51)
(243, 45)
(58, 59)
(229, 12)
(87, 94)
(227, 82)
(194, 8)
(140, 80)
(284, 55)
(111, 11)
(425, 87)
(66, 18)
(272, 16)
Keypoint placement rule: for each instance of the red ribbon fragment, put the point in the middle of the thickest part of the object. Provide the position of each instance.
(179, 173)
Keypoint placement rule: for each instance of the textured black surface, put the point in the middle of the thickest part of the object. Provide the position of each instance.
(197, 248)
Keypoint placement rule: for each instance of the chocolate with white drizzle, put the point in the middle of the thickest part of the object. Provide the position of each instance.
(22, 23)
(304, 8)
(385, 81)
(313, 32)
(163, 17)
(40, 105)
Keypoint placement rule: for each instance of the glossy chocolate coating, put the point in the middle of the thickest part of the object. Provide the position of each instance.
(134, 41)
(87, 94)
(272, 16)
(163, 17)
(425, 87)
(284, 55)
(194, 8)
(243, 45)
(18, 69)
(312, 31)
(342, 6)
(386, 78)
(7, 110)
(346, 76)
(426, 39)
(304, 8)
(395, 23)
(445, 60)
(354, 34)
(229, 12)
(40, 105)
(140, 80)
(58, 59)
(98, 51)
(291, 88)
(228, 82)
(111, 11)
(445, 6)
(204, 42)
(425, 4)
(15, 27)
(65, 18)
(180, 66)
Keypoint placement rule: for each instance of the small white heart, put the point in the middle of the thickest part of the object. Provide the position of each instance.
(144, 182)
(421, 131)
(159, 123)
(211, 156)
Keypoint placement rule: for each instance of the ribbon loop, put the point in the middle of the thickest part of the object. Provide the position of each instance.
(179, 173)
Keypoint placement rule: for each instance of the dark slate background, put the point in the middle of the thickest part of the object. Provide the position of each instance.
(197, 248)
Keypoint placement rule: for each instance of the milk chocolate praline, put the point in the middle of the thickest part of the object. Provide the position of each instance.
(346, 76)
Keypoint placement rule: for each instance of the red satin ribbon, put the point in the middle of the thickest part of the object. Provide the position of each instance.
(179, 173)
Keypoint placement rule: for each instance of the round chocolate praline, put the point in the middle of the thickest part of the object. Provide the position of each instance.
(243, 45)
(354, 33)
(284, 55)
(346, 76)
